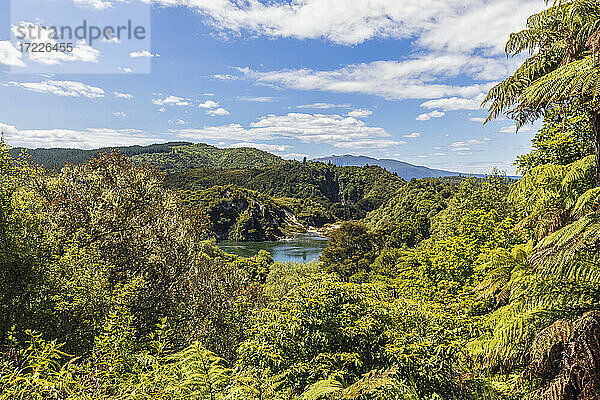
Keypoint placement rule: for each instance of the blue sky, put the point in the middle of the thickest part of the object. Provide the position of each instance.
(382, 78)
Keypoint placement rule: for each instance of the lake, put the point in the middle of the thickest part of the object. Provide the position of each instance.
(302, 248)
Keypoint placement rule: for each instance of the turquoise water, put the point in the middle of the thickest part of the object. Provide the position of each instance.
(302, 248)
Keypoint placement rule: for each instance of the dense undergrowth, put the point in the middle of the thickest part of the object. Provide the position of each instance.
(111, 286)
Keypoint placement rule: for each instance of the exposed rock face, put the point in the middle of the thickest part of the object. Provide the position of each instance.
(243, 215)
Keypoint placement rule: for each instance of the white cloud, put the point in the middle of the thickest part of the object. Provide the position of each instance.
(94, 4)
(441, 31)
(119, 114)
(81, 52)
(89, 138)
(162, 109)
(455, 103)
(9, 130)
(122, 95)
(261, 146)
(62, 88)
(114, 40)
(257, 99)
(143, 54)
(513, 129)
(226, 77)
(414, 78)
(178, 122)
(360, 113)
(294, 156)
(218, 112)
(436, 23)
(9, 55)
(413, 135)
(324, 106)
(125, 70)
(429, 115)
(335, 130)
(209, 104)
(464, 147)
(171, 101)
(477, 119)
(480, 24)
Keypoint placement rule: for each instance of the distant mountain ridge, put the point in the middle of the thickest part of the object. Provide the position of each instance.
(185, 156)
(404, 170)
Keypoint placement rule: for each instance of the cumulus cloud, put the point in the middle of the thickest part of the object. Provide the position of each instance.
(413, 78)
(94, 4)
(360, 113)
(171, 101)
(226, 77)
(9, 55)
(143, 54)
(413, 135)
(89, 138)
(122, 95)
(218, 112)
(436, 23)
(455, 103)
(480, 24)
(513, 129)
(261, 146)
(62, 88)
(209, 104)
(335, 130)
(429, 115)
(453, 39)
(8, 130)
(465, 147)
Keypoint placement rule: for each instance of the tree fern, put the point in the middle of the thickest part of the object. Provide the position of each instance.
(564, 66)
(203, 373)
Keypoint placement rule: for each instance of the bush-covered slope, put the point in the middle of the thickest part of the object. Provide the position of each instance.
(175, 156)
(424, 197)
(182, 158)
(57, 158)
(243, 215)
(347, 192)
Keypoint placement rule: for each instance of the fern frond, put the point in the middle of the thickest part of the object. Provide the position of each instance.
(587, 203)
(322, 388)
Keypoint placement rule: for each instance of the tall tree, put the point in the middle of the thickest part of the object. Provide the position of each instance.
(564, 67)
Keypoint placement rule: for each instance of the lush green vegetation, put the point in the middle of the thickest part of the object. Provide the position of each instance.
(111, 286)
(243, 215)
(183, 158)
(327, 193)
(57, 158)
(175, 156)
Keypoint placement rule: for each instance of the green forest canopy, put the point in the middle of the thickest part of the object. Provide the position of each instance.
(111, 286)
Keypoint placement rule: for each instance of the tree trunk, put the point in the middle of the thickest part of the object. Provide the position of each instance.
(595, 119)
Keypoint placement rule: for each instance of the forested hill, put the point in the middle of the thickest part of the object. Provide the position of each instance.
(173, 156)
(346, 192)
(56, 157)
(403, 169)
(183, 158)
